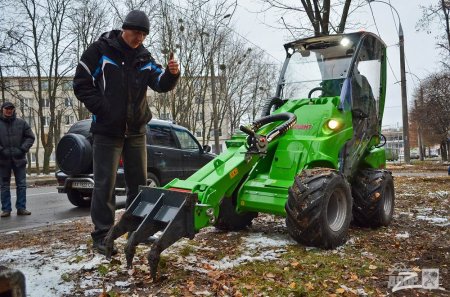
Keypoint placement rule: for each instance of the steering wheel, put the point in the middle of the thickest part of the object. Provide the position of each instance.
(314, 90)
(382, 141)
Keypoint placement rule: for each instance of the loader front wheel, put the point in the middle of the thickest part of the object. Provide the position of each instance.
(373, 194)
(319, 208)
(230, 220)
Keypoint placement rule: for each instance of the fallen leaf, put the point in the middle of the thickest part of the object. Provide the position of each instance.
(372, 267)
(249, 287)
(340, 290)
(295, 264)
(270, 275)
(215, 274)
(309, 286)
(207, 266)
(293, 285)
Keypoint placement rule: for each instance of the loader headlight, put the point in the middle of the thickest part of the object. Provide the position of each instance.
(333, 124)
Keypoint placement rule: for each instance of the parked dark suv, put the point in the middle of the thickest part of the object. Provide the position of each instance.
(172, 152)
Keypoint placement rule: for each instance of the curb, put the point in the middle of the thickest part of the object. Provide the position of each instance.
(39, 181)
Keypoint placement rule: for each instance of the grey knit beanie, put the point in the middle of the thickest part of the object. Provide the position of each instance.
(137, 20)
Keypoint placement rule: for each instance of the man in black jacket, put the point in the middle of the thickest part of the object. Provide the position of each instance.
(16, 139)
(111, 80)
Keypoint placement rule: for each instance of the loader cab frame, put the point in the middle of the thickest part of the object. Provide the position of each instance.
(351, 66)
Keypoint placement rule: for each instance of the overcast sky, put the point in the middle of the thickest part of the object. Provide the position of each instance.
(422, 57)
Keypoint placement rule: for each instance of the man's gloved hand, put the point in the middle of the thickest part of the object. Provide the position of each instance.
(7, 152)
(16, 152)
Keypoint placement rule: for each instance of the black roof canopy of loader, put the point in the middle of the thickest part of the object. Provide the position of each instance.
(326, 41)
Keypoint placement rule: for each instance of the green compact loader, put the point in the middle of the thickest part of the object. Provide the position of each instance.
(315, 157)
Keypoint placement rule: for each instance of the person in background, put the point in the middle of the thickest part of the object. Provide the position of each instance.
(111, 80)
(16, 139)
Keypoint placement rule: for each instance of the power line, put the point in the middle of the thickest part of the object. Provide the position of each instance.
(398, 32)
(376, 27)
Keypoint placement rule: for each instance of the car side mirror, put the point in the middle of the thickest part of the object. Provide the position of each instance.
(206, 148)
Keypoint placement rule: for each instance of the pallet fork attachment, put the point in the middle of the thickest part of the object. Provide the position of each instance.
(154, 210)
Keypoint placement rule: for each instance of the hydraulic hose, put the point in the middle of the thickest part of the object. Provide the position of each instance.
(274, 101)
(288, 118)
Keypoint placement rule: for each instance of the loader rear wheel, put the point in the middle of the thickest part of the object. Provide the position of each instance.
(230, 220)
(373, 194)
(319, 208)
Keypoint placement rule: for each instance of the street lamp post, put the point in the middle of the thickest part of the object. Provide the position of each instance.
(406, 147)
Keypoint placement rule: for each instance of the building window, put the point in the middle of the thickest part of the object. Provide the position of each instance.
(165, 116)
(25, 84)
(198, 134)
(46, 121)
(211, 133)
(198, 85)
(68, 102)
(25, 102)
(33, 157)
(8, 84)
(44, 85)
(199, 116)
(29, 119)
(67, 85)
(45, 103)
(68, 120)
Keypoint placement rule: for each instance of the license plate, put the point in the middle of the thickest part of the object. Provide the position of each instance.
(82, 185)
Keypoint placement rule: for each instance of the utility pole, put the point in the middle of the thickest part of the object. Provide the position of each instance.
(406, 149)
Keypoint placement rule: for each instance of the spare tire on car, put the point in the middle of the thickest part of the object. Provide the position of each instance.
(74, 154)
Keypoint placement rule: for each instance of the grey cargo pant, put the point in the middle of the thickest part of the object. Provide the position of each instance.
(106, 153)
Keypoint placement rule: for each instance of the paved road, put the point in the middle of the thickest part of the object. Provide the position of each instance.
(47, 207)
(423, 174)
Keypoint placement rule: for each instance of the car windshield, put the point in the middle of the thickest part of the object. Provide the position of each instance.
(317, 63)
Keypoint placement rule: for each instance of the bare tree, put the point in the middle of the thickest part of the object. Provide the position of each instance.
(42, 52)
(436, 16)
(314, 17)
(434, 99)
(88, 18)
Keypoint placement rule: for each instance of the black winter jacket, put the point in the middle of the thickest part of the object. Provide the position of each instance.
(112, 80)
(16, 139)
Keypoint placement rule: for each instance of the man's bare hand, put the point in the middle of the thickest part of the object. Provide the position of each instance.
(173, 65)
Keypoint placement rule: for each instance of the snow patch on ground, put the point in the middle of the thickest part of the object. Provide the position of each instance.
(46, 269)
(402, 235)
(254, 247)
(434, 220)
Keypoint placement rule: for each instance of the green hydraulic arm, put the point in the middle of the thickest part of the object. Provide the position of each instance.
(182, 208)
